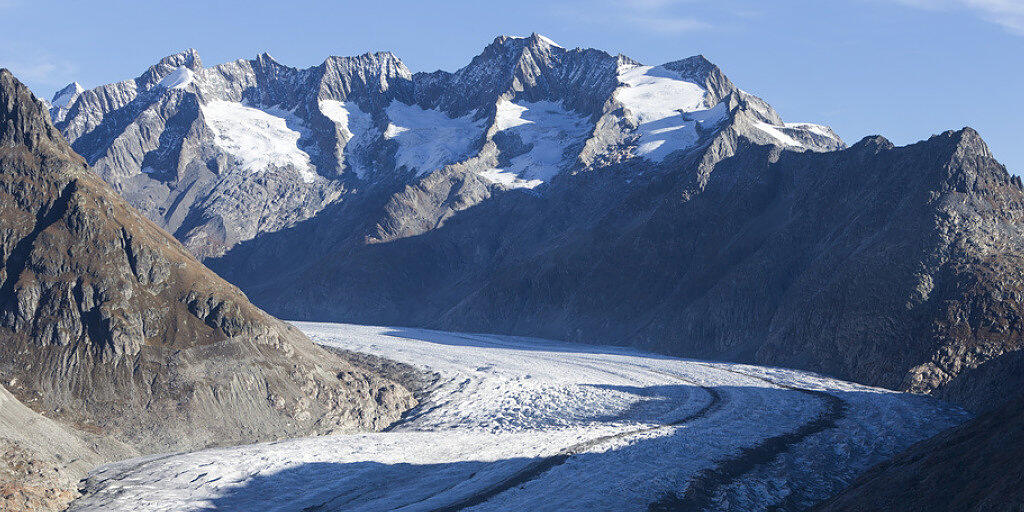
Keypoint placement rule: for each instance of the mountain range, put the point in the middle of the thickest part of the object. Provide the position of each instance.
(578, 195)
(221, 155)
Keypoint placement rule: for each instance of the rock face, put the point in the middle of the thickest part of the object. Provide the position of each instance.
(113, 330)
(973, 467)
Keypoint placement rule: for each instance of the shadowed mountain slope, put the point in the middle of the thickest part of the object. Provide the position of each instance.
(973, 467)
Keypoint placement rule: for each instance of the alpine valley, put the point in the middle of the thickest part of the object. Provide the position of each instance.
(680, 240)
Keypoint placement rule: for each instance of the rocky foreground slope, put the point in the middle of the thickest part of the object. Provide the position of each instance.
(119, 342)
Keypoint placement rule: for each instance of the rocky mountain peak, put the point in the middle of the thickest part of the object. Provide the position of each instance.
(176, 63)
(699, 70)
(188, 58)
(24, 120)
(696, 67)
(372, 78)
(384, 64)
(265, 58)
(64, 97)
(873, 143)
(969, 142)
(970, 166)
(506, 51)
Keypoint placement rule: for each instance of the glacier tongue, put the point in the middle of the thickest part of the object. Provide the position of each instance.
(631, 425)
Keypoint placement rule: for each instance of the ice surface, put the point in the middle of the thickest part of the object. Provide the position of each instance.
(501, 403)
(429, 139)
(547, 129)
(669, 111)
(180, 78)
(260, 140)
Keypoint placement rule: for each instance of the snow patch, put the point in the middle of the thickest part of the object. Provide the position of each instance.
(776, 134)
(258, 139)
(66, 95)
(816, 129)
(354, 124)
(547, 129)
(429, 139)
(548, 41)
(180, 78)
(669, 111)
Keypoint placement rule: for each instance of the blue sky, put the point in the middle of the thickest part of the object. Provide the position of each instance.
(905, 69)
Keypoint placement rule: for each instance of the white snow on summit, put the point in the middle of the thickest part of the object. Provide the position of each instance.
(547, 129)
(66, 95)
(816, 129)
(428, 139)
(256, 138)
(353, 123)
(666, 108)
(548, 41)
(180, 78)
(777, 134)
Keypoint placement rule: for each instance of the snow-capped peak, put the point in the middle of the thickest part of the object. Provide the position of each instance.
(67, 95)
(546, 40)
(188, 58)
(532, 39)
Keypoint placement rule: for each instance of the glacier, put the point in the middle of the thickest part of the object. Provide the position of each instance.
(618, 427)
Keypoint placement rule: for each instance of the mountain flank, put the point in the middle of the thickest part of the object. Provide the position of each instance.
(115, 341)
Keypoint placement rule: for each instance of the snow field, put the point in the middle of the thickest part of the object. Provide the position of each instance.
(547, 129)
(429, 139)
(666, 108)
(354, 124)
(258, 139)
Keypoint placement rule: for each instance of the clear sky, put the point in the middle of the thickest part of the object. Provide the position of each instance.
(905, 69)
